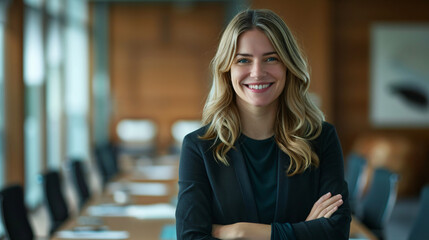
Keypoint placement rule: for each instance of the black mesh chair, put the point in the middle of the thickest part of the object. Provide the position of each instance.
(420, 228)
(57, 206)
(113, 152)
(106, 159)
(14, 214)
(378, 203)
(353, 175)
(79, 179)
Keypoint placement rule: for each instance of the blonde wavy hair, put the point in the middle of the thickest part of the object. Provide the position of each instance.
(298, 120)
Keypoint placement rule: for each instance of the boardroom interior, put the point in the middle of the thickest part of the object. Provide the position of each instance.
(111, 87)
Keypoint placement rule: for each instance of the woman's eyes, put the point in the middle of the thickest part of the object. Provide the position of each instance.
(272, 59)
(246, 60)
(243, 60)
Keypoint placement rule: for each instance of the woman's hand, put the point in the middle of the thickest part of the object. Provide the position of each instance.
(325, 206)
(242, 230)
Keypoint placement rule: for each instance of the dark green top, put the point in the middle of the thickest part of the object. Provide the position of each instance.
(261, 162)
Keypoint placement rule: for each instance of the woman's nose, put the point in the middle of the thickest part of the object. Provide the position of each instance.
(257, 70)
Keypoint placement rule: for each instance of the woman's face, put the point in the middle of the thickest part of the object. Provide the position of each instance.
(257, 73)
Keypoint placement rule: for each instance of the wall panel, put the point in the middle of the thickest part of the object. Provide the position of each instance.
(14, 94)
(351, 63)
(160, 55)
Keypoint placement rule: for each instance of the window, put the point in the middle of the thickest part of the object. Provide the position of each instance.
(101, 85)
(34, 77)
(76, 81)
(54, 85)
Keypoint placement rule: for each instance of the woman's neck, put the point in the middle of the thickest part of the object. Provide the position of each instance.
(257, 122)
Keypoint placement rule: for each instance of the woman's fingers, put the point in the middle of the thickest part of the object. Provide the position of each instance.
(330, 212)
(325, 206)
(322, 206)
(322, 199)
(330, 209)
(331, 201)
(314, 210)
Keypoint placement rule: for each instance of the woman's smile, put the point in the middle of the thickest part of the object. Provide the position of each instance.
(259, 87)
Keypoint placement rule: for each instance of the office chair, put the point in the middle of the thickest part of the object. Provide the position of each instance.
(14, 214)
(106, 159)
(57, 206)
(354, 177)
(420, 228)
(378, 203)
(113, 152)
(137, 137)
(80, 182)
(179, 129)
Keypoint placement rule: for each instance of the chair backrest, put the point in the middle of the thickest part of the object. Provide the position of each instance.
(106, 159)
(179, 129)
(420, 228)
(57, 206)
(379, 201)
(14, 213)
(137, 137)
(80, 182)
(354, 177)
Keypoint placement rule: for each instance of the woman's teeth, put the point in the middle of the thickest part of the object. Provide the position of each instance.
(259, 86)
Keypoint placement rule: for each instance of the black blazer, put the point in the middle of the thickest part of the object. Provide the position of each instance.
(212, 193)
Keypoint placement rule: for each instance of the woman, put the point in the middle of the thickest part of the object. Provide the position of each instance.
(265, 165)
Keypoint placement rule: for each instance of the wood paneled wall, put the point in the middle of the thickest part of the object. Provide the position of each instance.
(351, 64)
(14, 94)
(160, 56)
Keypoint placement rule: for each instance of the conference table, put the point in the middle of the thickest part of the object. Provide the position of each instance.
(144, 188)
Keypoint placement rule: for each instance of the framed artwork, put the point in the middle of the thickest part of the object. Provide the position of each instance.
(399, 75)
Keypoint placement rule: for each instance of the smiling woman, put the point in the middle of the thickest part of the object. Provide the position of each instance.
(258, 76)
(241, 176)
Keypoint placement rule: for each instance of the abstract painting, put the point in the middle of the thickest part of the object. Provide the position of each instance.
(399, 75)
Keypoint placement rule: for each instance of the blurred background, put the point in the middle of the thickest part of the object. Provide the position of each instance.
(77, 74)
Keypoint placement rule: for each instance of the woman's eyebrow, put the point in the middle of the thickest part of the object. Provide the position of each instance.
(250, 55)
(243, 54)
(269, 53)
